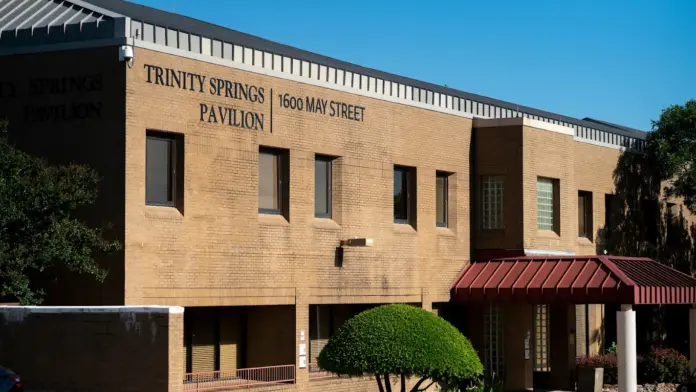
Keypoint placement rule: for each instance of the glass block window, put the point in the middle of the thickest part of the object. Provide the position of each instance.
(541, 338)
(492, 202)
(545, 204)
(494, 358)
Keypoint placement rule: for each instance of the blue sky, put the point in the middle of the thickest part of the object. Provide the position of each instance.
(620, 61)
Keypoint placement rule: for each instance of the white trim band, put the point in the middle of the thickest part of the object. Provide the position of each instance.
(523, 121)
(548, 252)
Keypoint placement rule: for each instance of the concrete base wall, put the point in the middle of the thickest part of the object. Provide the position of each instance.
(93, 349)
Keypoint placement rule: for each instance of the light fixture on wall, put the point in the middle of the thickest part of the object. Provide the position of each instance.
(355, 241)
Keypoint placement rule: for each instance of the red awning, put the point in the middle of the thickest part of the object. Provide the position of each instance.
(574, 279)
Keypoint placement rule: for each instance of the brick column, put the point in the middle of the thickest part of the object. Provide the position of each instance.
(302, 328)
(426, 302)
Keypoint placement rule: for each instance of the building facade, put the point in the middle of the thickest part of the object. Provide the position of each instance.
(244, 179)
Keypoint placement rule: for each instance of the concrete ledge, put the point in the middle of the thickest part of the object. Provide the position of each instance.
(93, 309)
(522, 121)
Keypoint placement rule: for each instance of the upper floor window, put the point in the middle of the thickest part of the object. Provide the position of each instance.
(273, 181)
(405, 195)
(164, 157)
(492, 188)
(547, 204)
(585, 214)
(322, 186)
(441, 198)
(610, 211)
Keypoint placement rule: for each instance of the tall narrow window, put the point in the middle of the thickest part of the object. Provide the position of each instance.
(492, 188)
(164, 169)
(609, 212)
(541, 338)
(585, 214)
(273, 182)
(404, 195)
(547, 204)
(494, 349)
(322, 186)
(441, 198)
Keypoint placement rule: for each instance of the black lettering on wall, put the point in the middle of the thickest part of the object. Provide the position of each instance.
(65, 85)
(64, 112)
(234, 117)
(7, 90)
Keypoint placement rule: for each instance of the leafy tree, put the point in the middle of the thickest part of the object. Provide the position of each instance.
(39, 231)
(672, 147)
(404, 341)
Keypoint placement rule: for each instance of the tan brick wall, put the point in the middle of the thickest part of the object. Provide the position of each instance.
(594, 169)
(549, 154)
(221, 252)
(499, 153)
(69, 107)
(115, 351)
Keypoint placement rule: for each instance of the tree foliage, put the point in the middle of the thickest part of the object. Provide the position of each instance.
(672, 147)
(39, 231)
(401, 340)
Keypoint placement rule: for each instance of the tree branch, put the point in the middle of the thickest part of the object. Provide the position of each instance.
(431, 383)
(379, 383)
(403, 382)
(416, 387)
(387, 382)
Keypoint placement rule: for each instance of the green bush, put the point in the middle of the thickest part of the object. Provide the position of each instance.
(664, 365)
(402, 340)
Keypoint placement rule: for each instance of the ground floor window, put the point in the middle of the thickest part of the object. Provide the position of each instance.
(494, 358)
(541, 338)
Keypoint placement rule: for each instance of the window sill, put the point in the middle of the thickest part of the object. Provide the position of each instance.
(273, 220)
(404, 228)
(325, 223)
(584, 241)
(548, 234)
(445, 232)
(163, 212)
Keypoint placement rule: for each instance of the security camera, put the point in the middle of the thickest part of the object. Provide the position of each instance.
(125, 53)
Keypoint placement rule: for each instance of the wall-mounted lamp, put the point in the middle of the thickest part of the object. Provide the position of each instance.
(350, 242)
(358, 242)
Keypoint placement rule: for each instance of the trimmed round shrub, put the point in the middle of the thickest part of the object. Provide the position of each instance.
(401, 339)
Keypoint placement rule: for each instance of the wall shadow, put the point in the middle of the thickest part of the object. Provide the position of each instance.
(641, 223)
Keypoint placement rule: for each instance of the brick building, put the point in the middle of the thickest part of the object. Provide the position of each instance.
(235, 170)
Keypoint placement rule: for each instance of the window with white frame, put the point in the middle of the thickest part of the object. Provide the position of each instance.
(546, 204)
(492, 202)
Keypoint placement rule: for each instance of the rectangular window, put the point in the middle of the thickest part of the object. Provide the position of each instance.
(164, 157)
(404, 195)
(609, 211)
(547, 204)
(273, 181)
(493, 345)
(322, 186)
(441, 198)
(585, 214)
(541, 341)
(492, 188)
